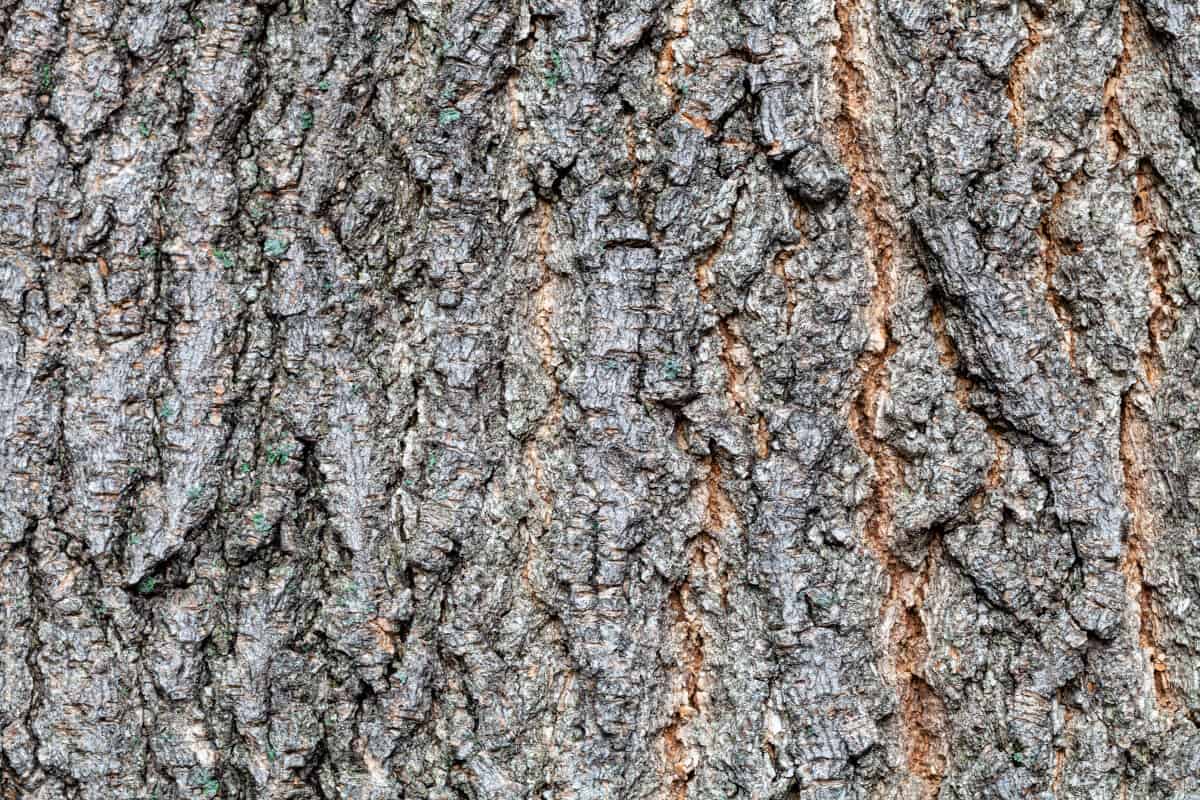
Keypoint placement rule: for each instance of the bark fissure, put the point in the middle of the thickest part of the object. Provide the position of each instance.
(704, 573)
(921, 714)
(1133, 442)
(1053, 247)
(1134, 436)
(677, 28)
(1160, 322)
(1018, 75)
(1113, 121)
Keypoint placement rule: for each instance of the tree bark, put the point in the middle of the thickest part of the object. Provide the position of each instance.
(547, 399)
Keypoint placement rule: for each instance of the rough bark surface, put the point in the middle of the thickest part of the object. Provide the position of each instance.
(547, 399)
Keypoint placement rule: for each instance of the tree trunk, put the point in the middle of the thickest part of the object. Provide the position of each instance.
(555, 400)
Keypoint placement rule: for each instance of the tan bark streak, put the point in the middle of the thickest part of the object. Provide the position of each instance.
(1112, 120)
(1163, 312)
(1017, 77)
(699, 123)
(779, 267)
(922, 716)
(923, 711)
(704, 571)
(1135, 436)
(1060, 753)
(735, 355)
(534, 461)
(762, 438)
(705, 279)
(677, 27)
(677, 754)
(736, 359)
(1052, 248)
(544, 301)
(995, 473)
(513, 94)
(385, 634)
(709, 130)
(544, 309)
(1134, 441)
(1147, 203)
(948, 357)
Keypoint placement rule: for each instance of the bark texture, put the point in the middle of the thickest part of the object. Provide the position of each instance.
(544, 399)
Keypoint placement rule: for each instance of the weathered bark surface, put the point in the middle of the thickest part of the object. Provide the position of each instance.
(547, 399)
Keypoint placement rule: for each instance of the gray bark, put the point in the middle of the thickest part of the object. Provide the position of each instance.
(548, 399)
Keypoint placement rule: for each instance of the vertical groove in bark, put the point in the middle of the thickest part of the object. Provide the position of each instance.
(736, 361)
(1134, 442)
(677, 28)
(1052, 247)
(679, 757)
(545, 308)
(1018, 75)
(949, 357)
(703, 570)
(1134, 432)
(1163, 312)
(779, 267)
(922, 717)
(1113, 122)
(705, 280)
(546, 305)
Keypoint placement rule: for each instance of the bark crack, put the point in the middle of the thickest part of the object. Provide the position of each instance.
(737, 362)
(1134, 441)
(544, 310)
(922, 717)
(1017, 76)
(1160, 322)
(703, 571)
(1113, 120)
(677, 28)
(705, 279)
(779, 267)
(963, 386)
(1134, 433)
(1053, 247)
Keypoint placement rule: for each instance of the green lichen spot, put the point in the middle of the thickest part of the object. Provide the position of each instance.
(275, 247)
